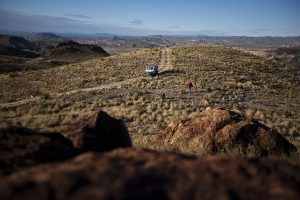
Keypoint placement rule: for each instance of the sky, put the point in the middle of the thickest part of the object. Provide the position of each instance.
(154, 17)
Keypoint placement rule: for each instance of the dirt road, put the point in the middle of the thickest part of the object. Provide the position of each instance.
(166, 60)
(165, 65)
(101, 87)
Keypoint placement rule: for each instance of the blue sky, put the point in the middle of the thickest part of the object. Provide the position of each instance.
(138, 17)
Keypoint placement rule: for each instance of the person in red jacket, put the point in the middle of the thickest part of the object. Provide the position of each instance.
(190, 85)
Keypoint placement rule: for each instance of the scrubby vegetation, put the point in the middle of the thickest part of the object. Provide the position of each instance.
(91, 73)
(223, 77)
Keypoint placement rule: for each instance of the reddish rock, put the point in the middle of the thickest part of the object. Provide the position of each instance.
(132, 174)
(99, 132)
(220, 131)
(20, 147)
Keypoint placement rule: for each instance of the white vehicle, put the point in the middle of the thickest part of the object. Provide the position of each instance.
(151, 70)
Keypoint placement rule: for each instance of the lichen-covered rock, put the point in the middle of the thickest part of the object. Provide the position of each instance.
(221, 131)
(133, 174)
(20, 147)
(100, 132)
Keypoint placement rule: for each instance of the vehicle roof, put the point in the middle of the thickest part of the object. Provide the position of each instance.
(152, 65)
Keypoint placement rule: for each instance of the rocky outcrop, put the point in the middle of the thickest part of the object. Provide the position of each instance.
(21, 147)
(132, 174)
(220, 131)
(100, 132)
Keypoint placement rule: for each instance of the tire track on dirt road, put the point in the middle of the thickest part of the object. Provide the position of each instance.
(166, 60)
(71, 92)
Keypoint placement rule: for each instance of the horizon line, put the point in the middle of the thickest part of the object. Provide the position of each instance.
(3, 31)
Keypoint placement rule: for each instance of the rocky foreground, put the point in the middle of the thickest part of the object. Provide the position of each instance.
(86, 162)
(133, 174)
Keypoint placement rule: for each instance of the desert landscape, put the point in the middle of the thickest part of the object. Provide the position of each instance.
(241, 105)
(81, 119)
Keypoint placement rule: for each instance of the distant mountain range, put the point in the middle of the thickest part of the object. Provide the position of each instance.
(47, 40)
(105, 34)
(87, 34)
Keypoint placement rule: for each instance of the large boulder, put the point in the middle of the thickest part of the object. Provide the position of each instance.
(132, 174)
(221, 131)
(21, 147)
(99, 132)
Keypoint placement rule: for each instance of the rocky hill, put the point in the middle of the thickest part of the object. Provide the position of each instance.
(289, 56)
(15, 52)
(18, 54)
(16, 42)
(75, 51)
(17, 46)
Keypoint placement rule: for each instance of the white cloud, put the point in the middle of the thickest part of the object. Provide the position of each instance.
(174, 26)
(136, 22)
(78, 16)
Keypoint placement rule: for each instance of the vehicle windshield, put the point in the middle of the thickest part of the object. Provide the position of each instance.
(150, 68)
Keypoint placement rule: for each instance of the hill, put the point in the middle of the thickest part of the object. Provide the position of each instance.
(17, 53)
(11, 51)
(16, 42)
(289, 56)
(48, 36)
(259, 116)
(75, 51)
